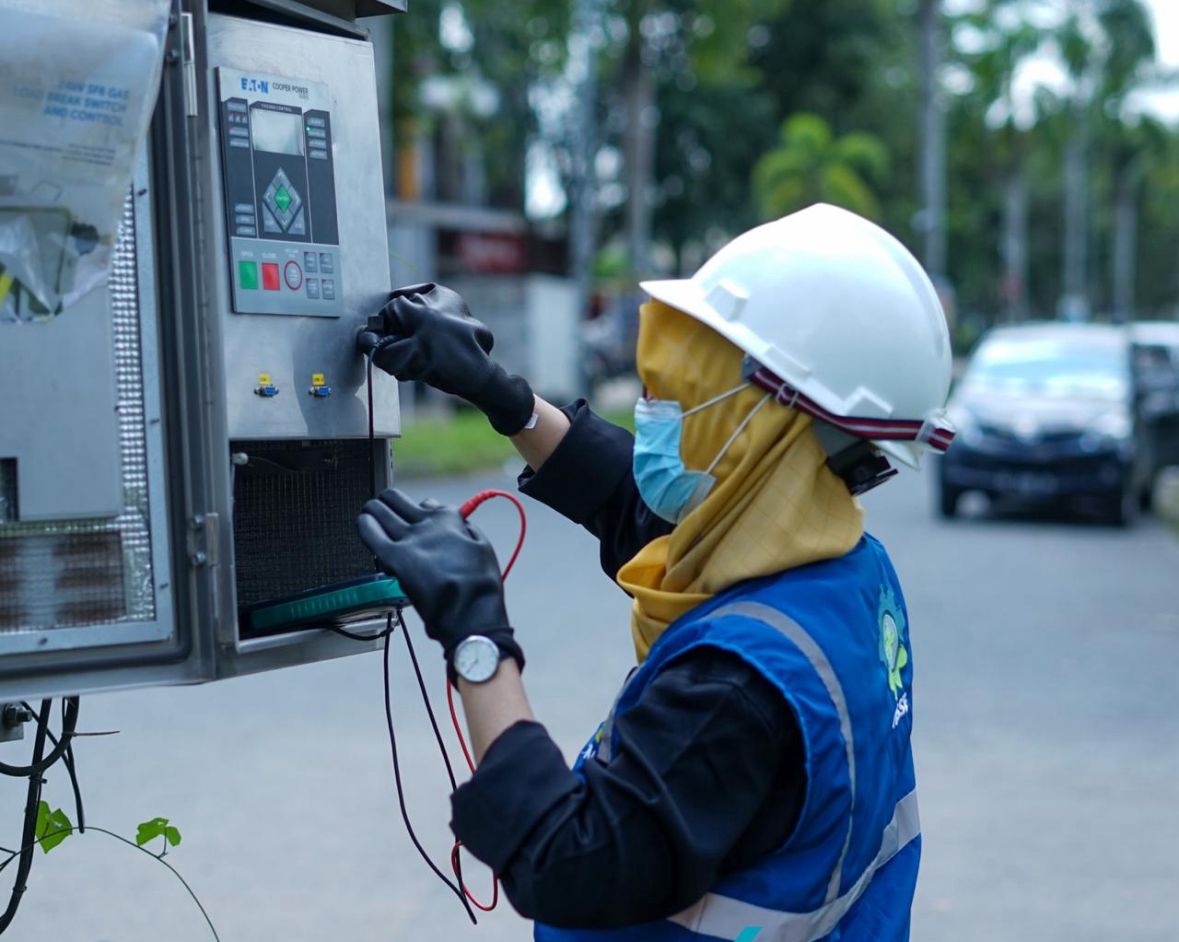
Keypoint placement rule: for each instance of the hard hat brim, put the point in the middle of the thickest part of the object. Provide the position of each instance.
(685, 296)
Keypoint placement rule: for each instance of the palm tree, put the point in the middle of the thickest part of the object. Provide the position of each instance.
(1106, 45)
(712, 35)
(932, 139)
(1002, 49)
(1077, 52)
(811, 165)
(1132, 144)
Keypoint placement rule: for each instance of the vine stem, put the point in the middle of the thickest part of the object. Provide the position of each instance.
(118, 837)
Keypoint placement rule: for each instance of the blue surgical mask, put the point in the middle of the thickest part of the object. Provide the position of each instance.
(666, 486)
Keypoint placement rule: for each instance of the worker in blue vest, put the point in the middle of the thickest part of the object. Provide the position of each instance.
(754, 779)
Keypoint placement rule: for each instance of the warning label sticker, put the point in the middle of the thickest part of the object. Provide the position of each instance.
(77, 88)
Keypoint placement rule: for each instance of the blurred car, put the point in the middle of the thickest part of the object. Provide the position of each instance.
(1046, 413)
(1156, 371)
(609, 339)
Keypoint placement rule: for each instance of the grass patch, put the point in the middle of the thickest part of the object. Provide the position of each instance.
(623, 417)
(461, 444)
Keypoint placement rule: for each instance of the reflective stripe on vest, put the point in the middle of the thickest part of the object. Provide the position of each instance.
(810, 649)
(726, 918)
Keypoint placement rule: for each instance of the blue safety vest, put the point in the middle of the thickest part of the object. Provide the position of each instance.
(833, 638)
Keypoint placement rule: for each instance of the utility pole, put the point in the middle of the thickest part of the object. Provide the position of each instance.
(638, 139)
(933, 142)
(1015, 244)
(1125, 243)
(583, 72)
(1074, 301)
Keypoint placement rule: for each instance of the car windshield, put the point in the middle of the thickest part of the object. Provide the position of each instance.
(1050, 368)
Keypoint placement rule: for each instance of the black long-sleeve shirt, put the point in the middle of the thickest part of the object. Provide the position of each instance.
(706, 775)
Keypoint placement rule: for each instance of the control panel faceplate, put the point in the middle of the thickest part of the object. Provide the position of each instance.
(280, 194)
(289, 376)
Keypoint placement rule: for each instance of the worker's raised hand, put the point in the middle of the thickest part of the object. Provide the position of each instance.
(445, 566)
(428, 335)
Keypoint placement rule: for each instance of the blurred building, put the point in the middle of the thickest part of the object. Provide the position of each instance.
(441, 229)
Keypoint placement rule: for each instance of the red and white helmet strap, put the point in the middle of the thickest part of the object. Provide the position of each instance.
(938, 437)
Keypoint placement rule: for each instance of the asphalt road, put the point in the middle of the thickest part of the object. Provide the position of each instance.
(1047, 718)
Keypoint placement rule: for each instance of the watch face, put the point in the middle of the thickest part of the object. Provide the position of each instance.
(476, 659)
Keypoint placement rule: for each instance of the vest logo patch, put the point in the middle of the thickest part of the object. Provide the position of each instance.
(591, 748)
(893, 653)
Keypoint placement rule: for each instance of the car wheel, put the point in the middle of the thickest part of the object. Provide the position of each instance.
(947, 501)
(1123, 507)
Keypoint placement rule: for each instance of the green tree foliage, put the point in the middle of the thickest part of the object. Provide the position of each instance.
(1106, 47)
(509, 50)
(811, 165)
(672, 71)
(709, 138)
(722, 109)
(822, 99)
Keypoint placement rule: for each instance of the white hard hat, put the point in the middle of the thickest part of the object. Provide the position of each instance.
(841, 321)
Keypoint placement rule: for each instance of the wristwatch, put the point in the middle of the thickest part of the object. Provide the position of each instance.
(476, 659)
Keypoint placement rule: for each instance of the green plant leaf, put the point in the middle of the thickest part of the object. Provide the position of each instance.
(172, 835)
(150, 830)
(53, 827)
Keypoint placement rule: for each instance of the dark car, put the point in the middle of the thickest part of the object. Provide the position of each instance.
(1156, 368)
(1046, 413)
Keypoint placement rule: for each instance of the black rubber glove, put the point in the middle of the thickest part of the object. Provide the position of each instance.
(445, 566)
(430, 336)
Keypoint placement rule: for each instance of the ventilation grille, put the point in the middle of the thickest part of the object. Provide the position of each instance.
(72, 573)
(294, 515)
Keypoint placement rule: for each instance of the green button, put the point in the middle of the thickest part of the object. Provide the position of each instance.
(282, 199)
(247, 275)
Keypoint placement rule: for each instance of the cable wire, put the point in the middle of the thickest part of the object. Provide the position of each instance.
(468, 508)
(372, 470)
(426, 700)
(40, 764)
(372, 434)
(156, 857)
(401, 791)
(70, 763)
(455, 859)
(355, 636)
(466, 897)
(29, 830)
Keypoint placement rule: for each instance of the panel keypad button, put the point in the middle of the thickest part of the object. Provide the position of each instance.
(292, 274)
(247, 275)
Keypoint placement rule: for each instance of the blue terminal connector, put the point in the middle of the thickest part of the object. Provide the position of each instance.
(320, 392)
(266, 392)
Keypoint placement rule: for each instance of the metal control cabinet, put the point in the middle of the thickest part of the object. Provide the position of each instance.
(199, 441)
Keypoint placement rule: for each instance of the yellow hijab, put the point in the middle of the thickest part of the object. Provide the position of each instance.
(775, 505)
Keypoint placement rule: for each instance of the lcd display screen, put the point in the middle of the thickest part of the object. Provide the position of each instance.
(277, 132)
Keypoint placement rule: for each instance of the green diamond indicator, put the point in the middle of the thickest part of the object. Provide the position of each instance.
(282, 199)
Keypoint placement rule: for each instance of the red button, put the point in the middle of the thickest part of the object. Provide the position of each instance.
(270, 276)
(293, 275)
